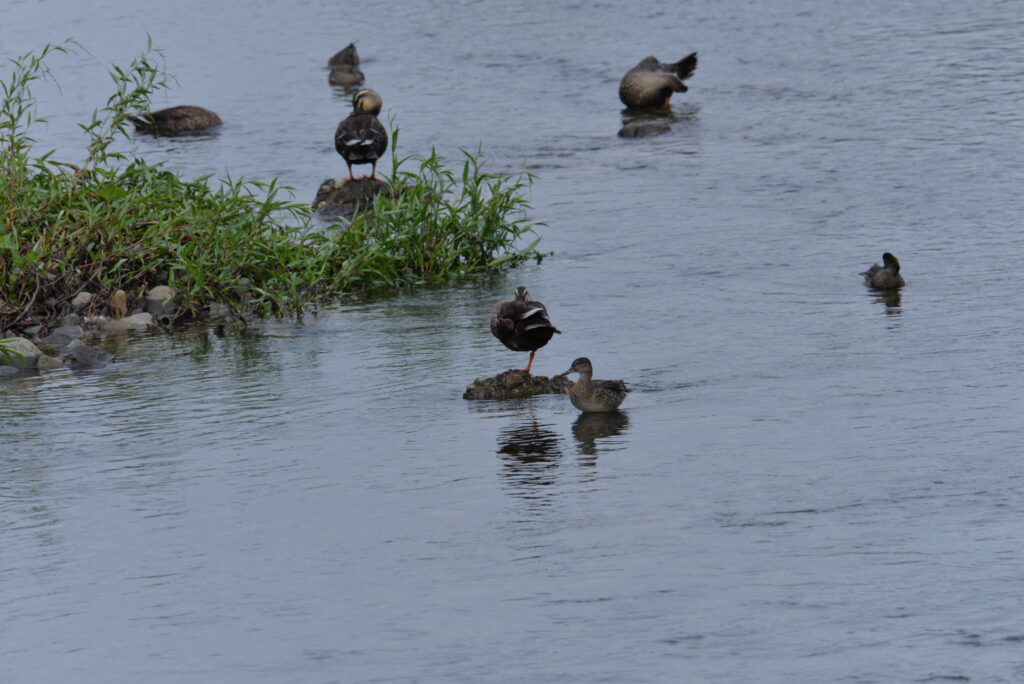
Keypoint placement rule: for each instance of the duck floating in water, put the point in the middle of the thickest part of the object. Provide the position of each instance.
(651, 83)
(345, 69)
(885, 277)
(361, 137)
(180, 119)
(522, 324)
(594, 396)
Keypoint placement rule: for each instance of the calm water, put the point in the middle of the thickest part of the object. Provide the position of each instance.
(807, 484)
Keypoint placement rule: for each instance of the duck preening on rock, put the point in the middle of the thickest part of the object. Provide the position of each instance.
(885, 277)
(651, 83)
(345, 69)
(594, 396)
(361, 138)
(522, 324)
(180, 119)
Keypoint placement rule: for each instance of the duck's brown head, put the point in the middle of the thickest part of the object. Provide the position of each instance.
(367, 101)
(580, 365)
(522, 294)
(891, 262)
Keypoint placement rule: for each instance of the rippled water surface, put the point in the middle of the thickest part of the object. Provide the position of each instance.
(807, 484)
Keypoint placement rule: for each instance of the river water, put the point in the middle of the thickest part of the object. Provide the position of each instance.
(808, 483)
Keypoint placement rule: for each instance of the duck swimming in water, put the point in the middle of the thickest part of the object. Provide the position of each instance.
(594, 396)
(651, 83)
(522, 324)
(180, 119)
(885, 277)
(345, 69)
(361, 138)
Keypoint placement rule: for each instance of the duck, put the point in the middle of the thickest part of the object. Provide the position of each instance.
(522, 324)
(594, 396)
(345, 67)
(180, 119)
(651, 82)
(361, 138)
(885, 277)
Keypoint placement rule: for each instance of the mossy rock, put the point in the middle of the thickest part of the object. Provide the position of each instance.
(516, 384)
(343, 198)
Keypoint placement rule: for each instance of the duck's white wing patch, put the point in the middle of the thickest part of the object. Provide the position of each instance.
(530, 313)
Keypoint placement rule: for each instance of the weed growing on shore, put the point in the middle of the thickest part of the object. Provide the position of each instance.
(118, 222)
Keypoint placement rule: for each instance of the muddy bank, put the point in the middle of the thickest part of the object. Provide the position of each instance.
(516, 384)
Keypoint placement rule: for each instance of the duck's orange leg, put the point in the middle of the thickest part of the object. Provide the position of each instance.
(666, 105)
(527, 369)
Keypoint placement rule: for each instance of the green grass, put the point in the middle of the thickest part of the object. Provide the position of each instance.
(115, 221)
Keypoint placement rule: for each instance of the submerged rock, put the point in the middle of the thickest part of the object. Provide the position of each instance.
(139, 321)
(88, 356)
(60, 337)
(516, 384)
(645, 129)
(343, 198)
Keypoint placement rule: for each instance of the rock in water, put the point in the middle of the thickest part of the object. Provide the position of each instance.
(343, 198)
(88, 356)
(160, 301)
(20, 353)
(516, 384)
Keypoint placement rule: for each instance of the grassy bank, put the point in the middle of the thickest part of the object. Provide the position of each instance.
(114, 221)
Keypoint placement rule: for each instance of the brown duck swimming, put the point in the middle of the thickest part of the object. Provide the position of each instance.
(522, 324)
(180, 119)
(345, 67)
(594, 396)
(361, 138)
(885, 277)
(651, 83)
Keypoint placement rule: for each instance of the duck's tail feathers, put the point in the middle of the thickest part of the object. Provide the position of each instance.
(685, 67)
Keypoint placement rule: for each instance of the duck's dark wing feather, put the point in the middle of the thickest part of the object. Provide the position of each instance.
(176, 119)
(522, 326)
(685, 67)
(361, 139)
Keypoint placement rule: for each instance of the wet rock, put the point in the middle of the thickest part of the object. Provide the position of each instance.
(48, 363)
(139, 321)
(72, 344)
(88, 356)
(71, 319)
(343, 198)
(31, 330)
(24, 354)
(8, 370)
(160, 301)
(218, 310)
(516, 384)
(81, 300)
(644, 129)
(59, 337)
(118, 304)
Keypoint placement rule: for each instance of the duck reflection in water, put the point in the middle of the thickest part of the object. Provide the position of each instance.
(591, 427)
(531, 454)
(891, 299)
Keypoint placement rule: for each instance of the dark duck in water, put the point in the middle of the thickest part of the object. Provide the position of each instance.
(651, 83)
(345, 69)
(521, 324)
(885, 277)
(180, 119)
(361, 138)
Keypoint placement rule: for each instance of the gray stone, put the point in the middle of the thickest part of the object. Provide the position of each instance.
(72, 344)
(81, 300)
(139, 321)
(343, 198)
(160, 301)
(71, 319)
(516, 384)
(59, 337)
(48, 363)
(31, 330)
(88, 356)
(218, 310)
(8, 370)
(645, 129)
(24, 354)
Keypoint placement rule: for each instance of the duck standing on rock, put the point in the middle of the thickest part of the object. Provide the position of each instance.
(522, 324)
(594, 396)
(361, 138)
(885, 277)
(651, 83)
(180, 119)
